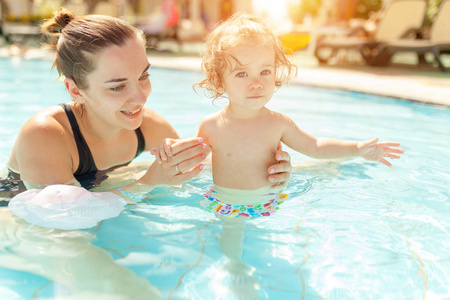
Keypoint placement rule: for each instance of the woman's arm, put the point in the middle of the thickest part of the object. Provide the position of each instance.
(183, 164)
(45, 153)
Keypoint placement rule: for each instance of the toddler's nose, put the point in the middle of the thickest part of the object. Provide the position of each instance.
(256, 84)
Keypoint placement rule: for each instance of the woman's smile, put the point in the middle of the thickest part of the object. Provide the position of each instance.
(132, 114)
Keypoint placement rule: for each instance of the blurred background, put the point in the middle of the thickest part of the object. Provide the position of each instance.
(326, 34)
(188, 20)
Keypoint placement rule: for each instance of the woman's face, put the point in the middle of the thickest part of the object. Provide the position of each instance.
(119, 86)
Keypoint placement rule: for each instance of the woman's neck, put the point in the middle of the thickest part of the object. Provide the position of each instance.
(95, 126)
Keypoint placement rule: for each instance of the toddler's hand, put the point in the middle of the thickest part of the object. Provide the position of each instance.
(164, 151)
(184, 164)
(372, 150)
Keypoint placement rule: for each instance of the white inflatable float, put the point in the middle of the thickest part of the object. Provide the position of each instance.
(66, 207)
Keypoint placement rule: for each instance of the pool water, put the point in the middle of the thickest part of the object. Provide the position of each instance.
(351, 229)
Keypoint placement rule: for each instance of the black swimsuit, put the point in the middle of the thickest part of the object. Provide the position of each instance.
(87, 164)
(87, 173)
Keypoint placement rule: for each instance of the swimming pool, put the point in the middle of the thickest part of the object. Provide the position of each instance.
(351, 229)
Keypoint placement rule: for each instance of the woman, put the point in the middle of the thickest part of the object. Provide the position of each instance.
(104, 62)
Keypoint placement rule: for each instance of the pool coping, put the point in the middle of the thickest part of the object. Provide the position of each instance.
(430, 87)
(413, 87)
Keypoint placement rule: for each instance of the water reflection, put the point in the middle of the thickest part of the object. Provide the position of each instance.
(69, 260)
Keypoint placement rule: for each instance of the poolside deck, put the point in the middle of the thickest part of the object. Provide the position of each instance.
(404, 79)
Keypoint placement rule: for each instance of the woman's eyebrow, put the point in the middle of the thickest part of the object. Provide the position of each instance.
(124, 79)
(116, 80)
(146, 68)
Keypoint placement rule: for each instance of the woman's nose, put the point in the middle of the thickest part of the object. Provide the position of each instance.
(141, 93)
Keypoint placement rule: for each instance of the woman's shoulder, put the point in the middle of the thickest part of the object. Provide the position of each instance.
(153, 120)
(47, 122)
(47, 134)
(155, 128)
(151, 116)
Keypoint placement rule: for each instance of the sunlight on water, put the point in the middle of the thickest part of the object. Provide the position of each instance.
(351, 229)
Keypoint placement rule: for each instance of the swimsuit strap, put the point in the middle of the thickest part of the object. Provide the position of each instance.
(141, 141)
(86, 164)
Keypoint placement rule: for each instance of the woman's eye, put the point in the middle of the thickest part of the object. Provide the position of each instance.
(266, 72)
(241, 74)
(117, 88)
(145, 76)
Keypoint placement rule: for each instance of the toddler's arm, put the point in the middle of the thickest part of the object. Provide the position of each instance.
(314, 147)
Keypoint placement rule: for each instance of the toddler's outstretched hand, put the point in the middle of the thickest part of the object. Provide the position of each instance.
(372, 150)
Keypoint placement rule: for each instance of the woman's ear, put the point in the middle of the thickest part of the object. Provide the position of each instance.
(73, 90)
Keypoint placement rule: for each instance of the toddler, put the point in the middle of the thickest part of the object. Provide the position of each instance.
(245, 62)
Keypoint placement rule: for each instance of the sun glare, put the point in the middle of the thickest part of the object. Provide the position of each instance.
(275, 12)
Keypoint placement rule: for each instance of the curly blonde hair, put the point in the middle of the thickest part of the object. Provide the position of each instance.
(240, 29)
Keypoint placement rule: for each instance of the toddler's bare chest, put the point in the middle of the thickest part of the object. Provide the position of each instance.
(245, 144)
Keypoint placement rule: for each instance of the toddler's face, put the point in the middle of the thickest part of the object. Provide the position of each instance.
(250, 82)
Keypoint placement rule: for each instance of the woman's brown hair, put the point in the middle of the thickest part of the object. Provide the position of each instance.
(76, 39)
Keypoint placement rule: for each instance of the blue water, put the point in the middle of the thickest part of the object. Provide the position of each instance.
(351, 229)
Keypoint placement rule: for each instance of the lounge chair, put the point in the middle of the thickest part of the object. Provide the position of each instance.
(401, 18)
(20, 32)
(438, 43)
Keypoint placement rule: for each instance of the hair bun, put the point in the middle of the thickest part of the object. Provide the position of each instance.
(60, 19)
(63, 17)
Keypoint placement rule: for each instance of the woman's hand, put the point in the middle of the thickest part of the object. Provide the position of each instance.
(179, 161)
(280, 172)
(372, 150)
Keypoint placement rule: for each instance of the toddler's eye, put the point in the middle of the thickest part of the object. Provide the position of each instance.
(266, 72)
(241, 74)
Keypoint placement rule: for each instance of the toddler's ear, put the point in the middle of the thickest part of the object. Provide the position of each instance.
(217, 84)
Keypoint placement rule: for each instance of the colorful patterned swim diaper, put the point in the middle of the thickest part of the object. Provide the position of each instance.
(246, 203)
